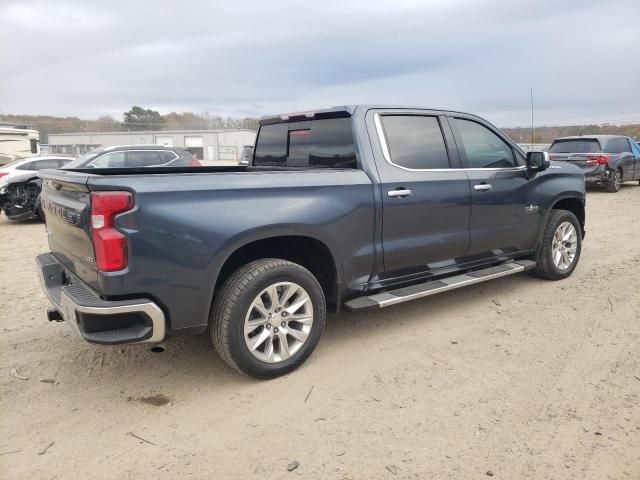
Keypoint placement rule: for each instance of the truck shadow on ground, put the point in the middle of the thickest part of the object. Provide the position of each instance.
(190, 361)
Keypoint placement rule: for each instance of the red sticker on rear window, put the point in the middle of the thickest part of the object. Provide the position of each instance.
(299, 132)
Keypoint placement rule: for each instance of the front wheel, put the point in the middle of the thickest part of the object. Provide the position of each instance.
(559, 251)
(268, 317)
(615, 183)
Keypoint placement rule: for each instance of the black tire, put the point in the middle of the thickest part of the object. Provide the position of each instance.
(232, 303)
(613, 185)
(545, 266)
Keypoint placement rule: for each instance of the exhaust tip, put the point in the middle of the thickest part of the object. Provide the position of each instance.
(54, 315)
(159, 348)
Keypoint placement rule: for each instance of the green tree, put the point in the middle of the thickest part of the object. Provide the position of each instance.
(139, 118)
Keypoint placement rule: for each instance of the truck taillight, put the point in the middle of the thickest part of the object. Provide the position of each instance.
(109, 243)
(597, 159)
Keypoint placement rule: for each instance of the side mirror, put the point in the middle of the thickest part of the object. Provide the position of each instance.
(538, 161)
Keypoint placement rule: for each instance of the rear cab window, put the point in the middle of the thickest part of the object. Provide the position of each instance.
(317, 143)
(581, 145)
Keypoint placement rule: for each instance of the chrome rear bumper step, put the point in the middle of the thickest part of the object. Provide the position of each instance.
(405, 294)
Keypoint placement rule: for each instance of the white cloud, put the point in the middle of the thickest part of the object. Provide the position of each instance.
(253, 57)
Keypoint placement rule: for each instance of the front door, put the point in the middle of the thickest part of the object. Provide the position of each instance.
(425, 195)
(505, 204)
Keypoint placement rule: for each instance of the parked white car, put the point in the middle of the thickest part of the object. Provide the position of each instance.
(30, 165)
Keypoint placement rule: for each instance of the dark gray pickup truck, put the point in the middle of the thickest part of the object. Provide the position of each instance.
(349, 207)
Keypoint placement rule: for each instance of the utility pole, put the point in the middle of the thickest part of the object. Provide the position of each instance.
(531, 118)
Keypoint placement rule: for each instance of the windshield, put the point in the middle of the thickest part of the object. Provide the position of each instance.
(581, 145)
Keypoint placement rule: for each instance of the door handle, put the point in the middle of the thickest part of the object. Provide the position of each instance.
(482, 187)
(401, 192)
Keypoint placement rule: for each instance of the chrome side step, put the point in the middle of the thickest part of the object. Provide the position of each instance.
(405, 294)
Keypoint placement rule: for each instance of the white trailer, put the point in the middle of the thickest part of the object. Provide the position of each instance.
(18, 141)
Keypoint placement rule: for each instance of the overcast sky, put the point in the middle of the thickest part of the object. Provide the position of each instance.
(253, 57)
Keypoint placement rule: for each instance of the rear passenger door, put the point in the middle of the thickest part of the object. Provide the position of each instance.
(505, 205)
(425, 195)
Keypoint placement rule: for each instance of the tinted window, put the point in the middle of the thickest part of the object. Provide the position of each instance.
(618, 145)
(317, 143)
(635, 148)
(41, 164)
(483, 148)
(63, 162)
(167, 156)
(415, 141)
(144, 158)
(26, 166)
(109, 160)
(575, 146)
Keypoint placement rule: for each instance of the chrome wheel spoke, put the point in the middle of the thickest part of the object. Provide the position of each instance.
(283, 345)
(272, 291)
(306, 319)
(300, 301)
(255, 342)
(268, 351)
(288, 291)
(299, 335)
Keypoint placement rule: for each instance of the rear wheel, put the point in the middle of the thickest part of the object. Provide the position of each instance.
(268, 317)
(615, 183)
(559, 251)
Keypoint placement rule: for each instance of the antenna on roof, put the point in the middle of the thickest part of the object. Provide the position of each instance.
(531, 118)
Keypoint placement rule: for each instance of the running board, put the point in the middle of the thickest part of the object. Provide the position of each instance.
(405, 294)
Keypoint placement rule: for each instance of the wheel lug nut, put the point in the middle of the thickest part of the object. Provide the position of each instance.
(275, 330)
(268, 326)
(284, 314)
(283, 324)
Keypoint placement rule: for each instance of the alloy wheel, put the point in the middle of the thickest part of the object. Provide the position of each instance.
(564, 246)
(278, 322)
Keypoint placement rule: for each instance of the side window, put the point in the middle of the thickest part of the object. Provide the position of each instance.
(146, 158)
(109, 160)
(635, 148)
(42, 164)
(26, 166)
(484, 149)
(618, 145)
(167, 156)
(415, 141)
(62, 163)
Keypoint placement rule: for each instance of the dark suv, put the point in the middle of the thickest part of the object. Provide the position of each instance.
(135, 156)
(607, 160)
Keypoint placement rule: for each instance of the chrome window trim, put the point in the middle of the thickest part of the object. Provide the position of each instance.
(387, 156)
(137, 150)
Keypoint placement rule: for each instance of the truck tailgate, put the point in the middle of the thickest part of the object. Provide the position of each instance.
(66, 202)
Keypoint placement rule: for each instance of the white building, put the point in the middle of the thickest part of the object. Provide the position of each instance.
(210, 146)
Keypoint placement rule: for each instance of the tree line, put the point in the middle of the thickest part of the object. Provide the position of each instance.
(136, 119)
(140, 119)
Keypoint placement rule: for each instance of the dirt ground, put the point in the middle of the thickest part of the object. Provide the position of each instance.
(515, 378)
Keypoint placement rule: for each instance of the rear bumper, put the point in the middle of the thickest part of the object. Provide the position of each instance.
(96, 320)
(599, 175)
